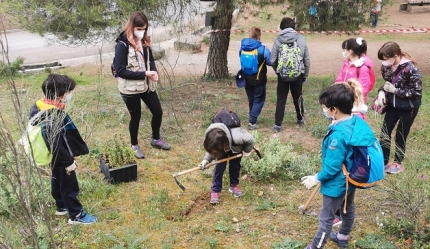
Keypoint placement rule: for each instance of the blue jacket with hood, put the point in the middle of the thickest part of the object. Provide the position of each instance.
(249, 44)
(337, 149)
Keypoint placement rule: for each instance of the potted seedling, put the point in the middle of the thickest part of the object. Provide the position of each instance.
(117, 161)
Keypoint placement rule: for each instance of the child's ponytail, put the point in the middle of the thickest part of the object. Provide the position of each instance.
(408, 56)
(357, 90)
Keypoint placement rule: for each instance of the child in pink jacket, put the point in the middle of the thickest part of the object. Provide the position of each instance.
(357, 65)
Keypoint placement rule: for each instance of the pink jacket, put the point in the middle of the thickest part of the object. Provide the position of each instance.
(359, 70)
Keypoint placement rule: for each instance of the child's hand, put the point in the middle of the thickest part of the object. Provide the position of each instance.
(203, 164)
(244, 154)
(71, 168)
(310, 181)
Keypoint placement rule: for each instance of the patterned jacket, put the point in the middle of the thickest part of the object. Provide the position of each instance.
(407, 80)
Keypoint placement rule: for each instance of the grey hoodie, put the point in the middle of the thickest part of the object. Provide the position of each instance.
(289, 35)
(240, 139)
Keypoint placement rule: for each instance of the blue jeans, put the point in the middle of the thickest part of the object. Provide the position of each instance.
(256, 98)
(374, 18)
(329, 207)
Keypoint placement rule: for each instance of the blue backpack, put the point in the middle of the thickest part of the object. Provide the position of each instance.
(367, 169)
(249, 62)
(368, 166)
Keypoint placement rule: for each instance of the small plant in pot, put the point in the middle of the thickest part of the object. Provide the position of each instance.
(117, 161)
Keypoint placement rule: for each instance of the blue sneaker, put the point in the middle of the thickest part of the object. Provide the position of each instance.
(342, 243)
(83, 218)
(61, 211)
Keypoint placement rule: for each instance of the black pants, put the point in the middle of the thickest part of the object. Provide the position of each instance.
(281, 98)
(404, 121)
(132, 101)
(234, 172)
(65, 190)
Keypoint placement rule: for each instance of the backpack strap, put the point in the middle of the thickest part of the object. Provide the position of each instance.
(358, 184)
(346, 173)
(261, 60)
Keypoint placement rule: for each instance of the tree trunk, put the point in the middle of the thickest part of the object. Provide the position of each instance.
(219, 41)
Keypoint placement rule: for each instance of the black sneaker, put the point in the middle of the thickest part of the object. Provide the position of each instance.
(276, 129)
(342, 243)
(252, 126)
(300, 123)
(61, 211)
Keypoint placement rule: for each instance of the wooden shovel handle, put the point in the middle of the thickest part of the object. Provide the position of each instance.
(312, 196)
(207, 165)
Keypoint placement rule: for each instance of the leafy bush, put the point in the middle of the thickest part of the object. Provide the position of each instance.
(280, 161)
(10, 69)
(371, 241)
(117, 153)
(289, 244)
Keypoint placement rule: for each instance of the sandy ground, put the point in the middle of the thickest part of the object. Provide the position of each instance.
(325, 50)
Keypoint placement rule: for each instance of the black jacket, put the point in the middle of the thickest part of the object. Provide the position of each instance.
(121, 60)
(61, 136)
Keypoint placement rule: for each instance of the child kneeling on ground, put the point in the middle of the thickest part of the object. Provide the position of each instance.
(64, 142)
(344, 132)
(221, 142)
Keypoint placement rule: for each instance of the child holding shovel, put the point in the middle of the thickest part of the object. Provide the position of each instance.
(344, 132)
(222, 142)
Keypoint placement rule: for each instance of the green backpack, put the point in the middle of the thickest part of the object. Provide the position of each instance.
(289, 61)
(34, 143)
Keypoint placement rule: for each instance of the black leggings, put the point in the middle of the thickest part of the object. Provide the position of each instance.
(132, 101)
(404, 121)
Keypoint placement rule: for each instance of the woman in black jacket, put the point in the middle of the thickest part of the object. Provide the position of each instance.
(137, 79)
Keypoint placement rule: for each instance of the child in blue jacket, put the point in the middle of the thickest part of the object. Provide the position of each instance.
(255, 85)
(64, 141)
(345, 131)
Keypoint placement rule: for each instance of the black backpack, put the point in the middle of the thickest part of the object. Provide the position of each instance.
(112, 66)
(227, 117)
(231, 120)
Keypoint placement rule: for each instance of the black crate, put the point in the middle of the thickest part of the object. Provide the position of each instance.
(124, 173)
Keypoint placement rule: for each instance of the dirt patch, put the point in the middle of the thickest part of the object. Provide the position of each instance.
(197, 205)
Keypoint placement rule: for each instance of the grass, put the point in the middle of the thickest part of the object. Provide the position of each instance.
(154, 212)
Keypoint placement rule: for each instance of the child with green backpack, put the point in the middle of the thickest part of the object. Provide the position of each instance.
(64, 142)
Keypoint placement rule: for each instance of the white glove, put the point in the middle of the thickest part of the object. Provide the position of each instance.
(244, 154)
(381, 99)
(71, 168)
(203, 164)
(388, 87)
(310, 181)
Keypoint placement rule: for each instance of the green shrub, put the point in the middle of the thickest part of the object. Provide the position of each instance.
(116, 152)
(289, 244)
(371, 241)
(10, 69)
(280, 161)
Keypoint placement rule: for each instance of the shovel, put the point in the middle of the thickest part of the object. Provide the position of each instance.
(176, 175)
